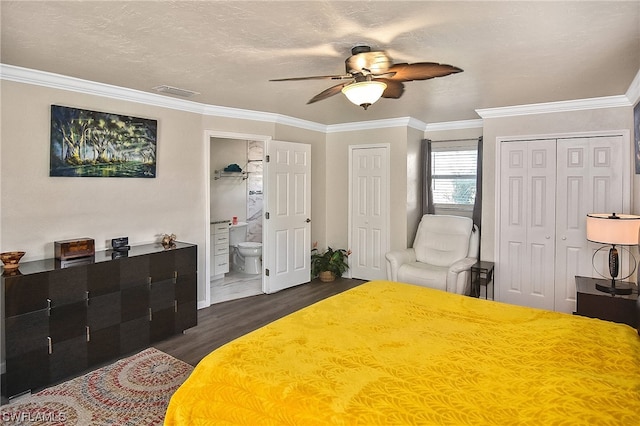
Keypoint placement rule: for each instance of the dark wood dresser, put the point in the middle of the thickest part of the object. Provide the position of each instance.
(60, 321)
(596, 304)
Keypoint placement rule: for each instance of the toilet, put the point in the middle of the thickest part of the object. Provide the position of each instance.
(246, 256)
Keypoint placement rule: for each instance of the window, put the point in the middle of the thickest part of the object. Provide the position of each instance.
(453, 172)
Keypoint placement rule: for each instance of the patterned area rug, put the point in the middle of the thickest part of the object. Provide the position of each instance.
(133, 391)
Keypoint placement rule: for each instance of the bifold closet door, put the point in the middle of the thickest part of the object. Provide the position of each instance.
(547, 187)
(589, 180)
(525, 269)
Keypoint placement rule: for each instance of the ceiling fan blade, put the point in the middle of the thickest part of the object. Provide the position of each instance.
(317, 77)
(421, 71)
(394, 89)
(334, 90)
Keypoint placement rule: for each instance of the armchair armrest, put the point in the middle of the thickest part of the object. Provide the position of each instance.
(397, 258)
(463, 265)
(458, 275)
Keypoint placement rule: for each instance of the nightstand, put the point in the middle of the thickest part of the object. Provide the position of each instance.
(597, 304)
(482, 275)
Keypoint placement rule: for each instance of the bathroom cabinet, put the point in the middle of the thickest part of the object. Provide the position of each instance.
(219, 248)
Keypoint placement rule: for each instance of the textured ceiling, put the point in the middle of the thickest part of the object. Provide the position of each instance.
(512, 53)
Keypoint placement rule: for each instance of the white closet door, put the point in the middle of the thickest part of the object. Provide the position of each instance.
(369, 198)
(547, 187)
(525, 270)
(589, 180)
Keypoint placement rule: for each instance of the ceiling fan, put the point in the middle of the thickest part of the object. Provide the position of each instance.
(371, 74)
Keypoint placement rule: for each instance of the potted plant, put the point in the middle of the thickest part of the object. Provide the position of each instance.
(328, 264)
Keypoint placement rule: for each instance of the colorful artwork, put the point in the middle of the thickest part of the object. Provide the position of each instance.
(636, 126)
(99, 144)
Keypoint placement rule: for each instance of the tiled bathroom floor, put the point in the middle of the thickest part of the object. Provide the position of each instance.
(235, 285)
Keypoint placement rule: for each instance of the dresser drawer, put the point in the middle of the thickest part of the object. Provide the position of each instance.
(220, 264)
(220, 249)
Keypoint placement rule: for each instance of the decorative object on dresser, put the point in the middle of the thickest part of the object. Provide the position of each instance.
(120, 244)
(593, 303)
(11, 259)
(168, 240)
(73, 249)
(60, 322)
(616, 230)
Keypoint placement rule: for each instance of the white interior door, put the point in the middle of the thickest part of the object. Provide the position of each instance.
(369, 207)
(589, 180)
(287, 228)
(525, 270)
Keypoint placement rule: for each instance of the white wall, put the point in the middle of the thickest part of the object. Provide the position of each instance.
(337, 179)
(38, 209)
(228, 194)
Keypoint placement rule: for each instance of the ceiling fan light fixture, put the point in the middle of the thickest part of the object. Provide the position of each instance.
(364, 93)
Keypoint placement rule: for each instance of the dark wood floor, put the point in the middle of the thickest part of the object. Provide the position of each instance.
(223, 322)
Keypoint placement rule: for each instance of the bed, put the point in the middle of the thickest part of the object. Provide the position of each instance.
(387, 353)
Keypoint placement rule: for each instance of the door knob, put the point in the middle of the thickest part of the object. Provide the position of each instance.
(308, 220)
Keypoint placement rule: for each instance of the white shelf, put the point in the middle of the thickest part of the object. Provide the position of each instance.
(222, 174)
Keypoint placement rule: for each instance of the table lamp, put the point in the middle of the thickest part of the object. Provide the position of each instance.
(617, 230)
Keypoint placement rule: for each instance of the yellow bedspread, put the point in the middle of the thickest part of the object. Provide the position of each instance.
(387, 353)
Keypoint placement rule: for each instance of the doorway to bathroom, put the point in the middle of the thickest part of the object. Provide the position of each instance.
(236, 215)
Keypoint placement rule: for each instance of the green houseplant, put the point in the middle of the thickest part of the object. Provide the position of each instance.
(328, 264)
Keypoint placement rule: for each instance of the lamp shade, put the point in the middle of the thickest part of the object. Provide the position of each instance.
(364, 93)
(613, 229)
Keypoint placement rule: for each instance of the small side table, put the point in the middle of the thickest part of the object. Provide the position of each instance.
(482, 275)
(597, 304)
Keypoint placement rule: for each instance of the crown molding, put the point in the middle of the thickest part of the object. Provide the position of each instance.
(633, 93)
(63, 82)
(377, 124)
(269, 117)
(303, 124)
(455, 125)
(555, 107)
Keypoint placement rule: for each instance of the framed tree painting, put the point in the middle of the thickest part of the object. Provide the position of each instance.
(88, 143)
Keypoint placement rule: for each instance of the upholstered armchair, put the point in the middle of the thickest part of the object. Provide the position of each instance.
(443, 252)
